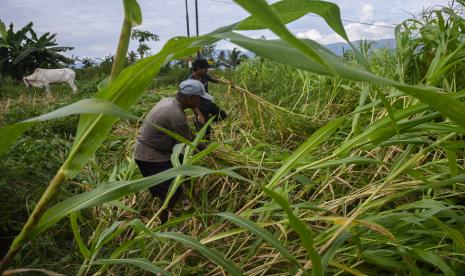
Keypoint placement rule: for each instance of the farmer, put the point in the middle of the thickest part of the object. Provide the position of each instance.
(153, 148)
(207, 107)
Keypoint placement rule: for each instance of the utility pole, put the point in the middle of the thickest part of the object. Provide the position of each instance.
(197, 23)
(189, 63)
(187, 20)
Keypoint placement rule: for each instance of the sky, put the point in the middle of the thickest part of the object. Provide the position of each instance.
(92, 26)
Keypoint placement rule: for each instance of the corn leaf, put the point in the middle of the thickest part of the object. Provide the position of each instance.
(116, 190)
(434, 260)
(138, 262)
(320, 136)
(261, 233)
(268, 17)
(132, 12)
(301, 229)
(9, 134)
(77, 236)
(210, 253)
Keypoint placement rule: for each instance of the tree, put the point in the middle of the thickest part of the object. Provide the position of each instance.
(222, 56)
(132, 57)
(106, 63)
(143, 37)
(236, 57)
(21, 52)
(208, 52)
(87, 62)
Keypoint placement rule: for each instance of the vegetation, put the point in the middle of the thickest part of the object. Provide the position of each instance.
(23, 51)
(143, 37)
(326, 165)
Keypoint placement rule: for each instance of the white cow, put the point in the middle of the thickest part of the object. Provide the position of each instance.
(44, 77)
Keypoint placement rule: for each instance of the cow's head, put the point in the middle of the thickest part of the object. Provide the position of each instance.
(26, 82)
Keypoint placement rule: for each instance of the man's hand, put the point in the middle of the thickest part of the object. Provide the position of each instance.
(200, 116)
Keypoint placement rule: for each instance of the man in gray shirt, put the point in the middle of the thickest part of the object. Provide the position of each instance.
(153, 148)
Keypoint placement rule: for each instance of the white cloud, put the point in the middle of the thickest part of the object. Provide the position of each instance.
(355, 31)
(312, 34)
(367, 12)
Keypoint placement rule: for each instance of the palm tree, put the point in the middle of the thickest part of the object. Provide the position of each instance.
(143, 37)
(236, 57)
(132, 57)
(222, 56)
(87, 62)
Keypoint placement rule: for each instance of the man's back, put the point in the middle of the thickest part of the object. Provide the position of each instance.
(152, 144)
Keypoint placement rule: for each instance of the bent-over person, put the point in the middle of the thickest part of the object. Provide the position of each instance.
(153, 148)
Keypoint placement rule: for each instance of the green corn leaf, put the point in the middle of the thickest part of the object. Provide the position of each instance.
(361, 103)
(384, 123)
(93, 129)
(10, 134)
(380, 259)
(268, 17)
(107, 235)
(301, 229)
(77, 236)
(283, 52)
(452, 158)
(3, 32)
(452, 233)
(210, 253)
(383, 134)
(434, 260)
(326, 259)
(345, 161)
(138, 262)
(199, 156)
(116, 190)
(122, 206)
(133, 12)
(261, 233)
(320, 136)
(291, 10)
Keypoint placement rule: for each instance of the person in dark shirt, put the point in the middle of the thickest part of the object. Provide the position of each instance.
(207, 106)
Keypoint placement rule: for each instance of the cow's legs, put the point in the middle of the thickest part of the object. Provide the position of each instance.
(73, 86)
(47, 89)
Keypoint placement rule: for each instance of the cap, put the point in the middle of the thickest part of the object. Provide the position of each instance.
(191, 87)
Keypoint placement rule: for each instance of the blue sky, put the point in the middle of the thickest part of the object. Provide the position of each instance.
(92, 26)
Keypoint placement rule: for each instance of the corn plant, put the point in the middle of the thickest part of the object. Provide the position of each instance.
(408, 135)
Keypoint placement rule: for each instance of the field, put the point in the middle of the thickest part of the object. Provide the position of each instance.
(310, 174)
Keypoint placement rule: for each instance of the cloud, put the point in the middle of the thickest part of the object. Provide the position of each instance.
(367, 12)
(355, 31)
(312, 34)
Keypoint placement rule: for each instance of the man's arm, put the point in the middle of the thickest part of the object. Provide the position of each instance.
(211, 79)
(183, 130)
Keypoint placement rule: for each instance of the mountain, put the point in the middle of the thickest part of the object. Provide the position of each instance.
(339, 47)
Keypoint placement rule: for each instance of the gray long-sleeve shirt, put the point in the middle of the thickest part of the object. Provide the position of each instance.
(153, 145)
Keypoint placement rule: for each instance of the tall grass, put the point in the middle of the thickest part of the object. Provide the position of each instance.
(337, 170)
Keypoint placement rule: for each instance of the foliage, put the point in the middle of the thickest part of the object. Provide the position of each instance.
(22, 51)
(369, 193)
(143, 37)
